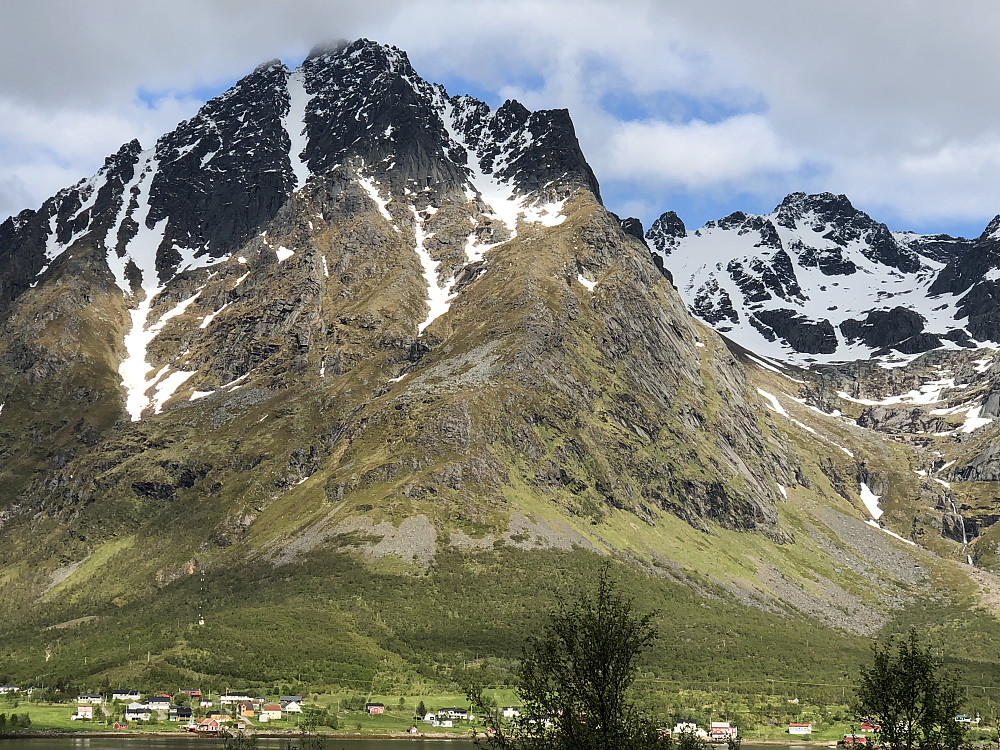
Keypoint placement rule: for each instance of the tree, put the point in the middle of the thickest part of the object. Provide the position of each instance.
(421, 710)
(904, 694)
(574, 679)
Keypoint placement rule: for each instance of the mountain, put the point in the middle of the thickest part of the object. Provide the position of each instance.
(365, 374)
(817, 280)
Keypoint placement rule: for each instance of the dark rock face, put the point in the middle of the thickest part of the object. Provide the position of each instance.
(804, 335)
(366, 100)
(665, 231)
(884, 328)
(224, 172)
(845, 224)
(714, 305)
(633, 227)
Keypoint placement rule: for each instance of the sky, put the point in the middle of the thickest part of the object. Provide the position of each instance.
(702, 107)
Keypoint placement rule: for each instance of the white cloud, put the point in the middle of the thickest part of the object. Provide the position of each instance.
(696, 154)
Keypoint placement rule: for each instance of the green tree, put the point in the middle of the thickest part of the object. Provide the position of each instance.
(421, 710)
(574, 679)
(904, 693)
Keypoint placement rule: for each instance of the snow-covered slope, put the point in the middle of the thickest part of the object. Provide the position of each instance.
(817, 280)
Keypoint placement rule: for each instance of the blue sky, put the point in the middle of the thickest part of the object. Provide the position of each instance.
(698, 107)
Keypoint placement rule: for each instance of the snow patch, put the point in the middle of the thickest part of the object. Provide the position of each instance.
(589, 284)
(369, 185)
(783, 491)
(294, 123)
(207, 320)
(929, 393)
(167, 387)
(775, 404)
(195, 395)
(283, 253)
(326, 268)
(973, 421)
(870, 499)
(438, 298)
(875, 525)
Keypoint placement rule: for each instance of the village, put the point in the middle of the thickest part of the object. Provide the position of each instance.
(193, 711)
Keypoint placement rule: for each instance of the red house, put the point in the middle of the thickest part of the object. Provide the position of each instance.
(208, 725)
(375, 708)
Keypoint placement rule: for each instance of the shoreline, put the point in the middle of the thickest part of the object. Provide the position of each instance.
(84, 734)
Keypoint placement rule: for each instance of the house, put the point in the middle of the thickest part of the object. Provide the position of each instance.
(4, 689)
(180, 713)
(854, 739)
(453, 713)
(227, 698)
(867, 726)
(412, 730)
(158, 702)
(208, 725)
(120, 725)
(192, 692)
(290, 698)
(245, 708)
(92, 698)
(125, 696)
(721, 731)
(137, 712)
(446, 723)
(291, 707)
(270, 712)
(85, 713)
(430, 718)
(800, 728)
(686, 727)
(205, 703)
(375, 708)
(510, 712)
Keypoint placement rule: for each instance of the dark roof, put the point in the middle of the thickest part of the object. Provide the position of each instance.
(296, 698)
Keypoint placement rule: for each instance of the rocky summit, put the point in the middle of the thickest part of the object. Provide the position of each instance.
(817, 280)
(343, 335)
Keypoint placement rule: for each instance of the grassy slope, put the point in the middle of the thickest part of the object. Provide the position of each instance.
(339, 621)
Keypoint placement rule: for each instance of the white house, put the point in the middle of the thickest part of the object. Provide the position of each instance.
(91, 698)
(4, 689)
(430, 718)
(685, 727)
(291, 707)
(800, 728)
(125, 695)
(510, 712)
(233, 698)
(269, 712)
(158, 703)
(136, 711)
(83, 712)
